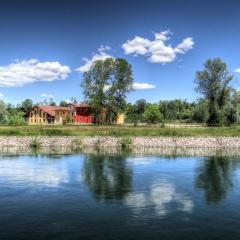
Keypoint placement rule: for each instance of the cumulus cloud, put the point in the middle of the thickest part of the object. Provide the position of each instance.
(100, 55)
(46, 95)
(142, 86)
(30, 71)
(1, 95)
(136, 86)
(237, 70)
(157, 50)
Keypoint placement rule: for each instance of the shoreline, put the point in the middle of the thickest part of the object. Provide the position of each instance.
(135, 142)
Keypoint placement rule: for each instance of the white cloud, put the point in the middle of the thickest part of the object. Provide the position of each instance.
(30, 71)
(46, 95)
(237, 70)
(68, 101)
(1, 95)
(157, 50)
(101, 55)
(143, 86)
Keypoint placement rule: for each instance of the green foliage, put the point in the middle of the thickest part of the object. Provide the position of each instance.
(26, 106)
(76, 143)
(105, 86)
(3, 113)
(35, 143)
(200, 113)
(213, 84)
(125, 143)
(63, 104)
(176, 109)
(152, 114)
(16, 117)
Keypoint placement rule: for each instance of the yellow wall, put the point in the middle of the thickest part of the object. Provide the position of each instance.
(120, 118)
(37, 116)
(61, 117)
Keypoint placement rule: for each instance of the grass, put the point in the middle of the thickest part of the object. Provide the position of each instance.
(118, 131)
(125, 143)
(35, 143)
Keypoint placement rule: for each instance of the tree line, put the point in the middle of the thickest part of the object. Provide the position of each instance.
(106, 85)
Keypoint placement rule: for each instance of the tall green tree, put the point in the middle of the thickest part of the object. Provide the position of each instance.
(105, 87)
(26, 106)
(3, 113)
(213, 84)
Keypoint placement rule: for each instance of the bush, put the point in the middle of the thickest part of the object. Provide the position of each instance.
(125, 143)
(35, 143)
(152, 114)
(76, 143)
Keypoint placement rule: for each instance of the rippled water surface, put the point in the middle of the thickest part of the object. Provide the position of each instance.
(90, 196)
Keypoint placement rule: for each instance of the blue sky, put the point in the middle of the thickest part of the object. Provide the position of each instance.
(43, 44)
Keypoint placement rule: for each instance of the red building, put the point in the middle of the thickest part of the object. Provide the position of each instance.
(82, 113)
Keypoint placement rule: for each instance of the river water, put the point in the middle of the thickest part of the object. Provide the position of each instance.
(119, 196)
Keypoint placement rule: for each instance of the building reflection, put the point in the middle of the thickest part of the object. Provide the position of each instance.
(215, 176)
(108, 177)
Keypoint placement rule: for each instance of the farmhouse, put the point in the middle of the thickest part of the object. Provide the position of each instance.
(72, 114)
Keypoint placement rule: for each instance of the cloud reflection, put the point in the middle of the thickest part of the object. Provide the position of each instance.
(159, 198)
(28, 172)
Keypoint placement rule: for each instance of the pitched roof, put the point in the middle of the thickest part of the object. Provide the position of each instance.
(51, 109)
(79, 104)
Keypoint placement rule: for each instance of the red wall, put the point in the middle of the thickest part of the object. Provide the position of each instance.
(83, 119)
(83, 115)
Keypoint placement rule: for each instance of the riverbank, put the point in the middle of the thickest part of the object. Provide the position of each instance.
(119, 131)
(134, 142)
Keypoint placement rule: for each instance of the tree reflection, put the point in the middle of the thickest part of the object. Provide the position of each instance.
(108, 177)
(215, 176)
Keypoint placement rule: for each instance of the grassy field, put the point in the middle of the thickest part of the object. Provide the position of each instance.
(116, 131)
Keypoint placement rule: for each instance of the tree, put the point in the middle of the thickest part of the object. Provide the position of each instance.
(26, 106)
(141, 105)
(63, 104)
(200, 113)
(176, 109)
(73, 100)
(3, 113)
(232, 109)
(16, 117)
(105, 87)
(152, 114)
(51, 102)
(213, 84)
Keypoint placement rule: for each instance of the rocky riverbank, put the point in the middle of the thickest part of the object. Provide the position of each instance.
(135, 142)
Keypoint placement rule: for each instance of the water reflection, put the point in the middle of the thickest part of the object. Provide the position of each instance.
(215, 176)
(160, 198)
(33, 171)
(108, 177)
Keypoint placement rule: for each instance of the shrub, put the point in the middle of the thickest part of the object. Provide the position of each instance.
(35, 143)
(76, 143)
(125, 143)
